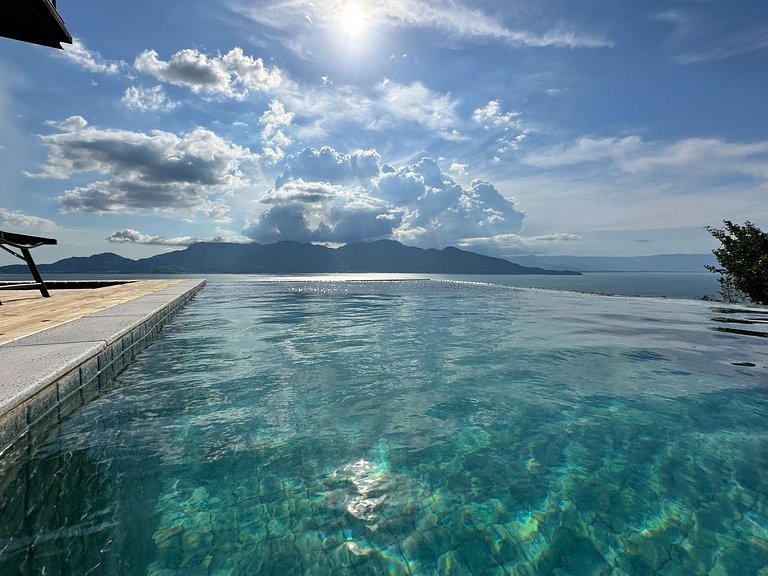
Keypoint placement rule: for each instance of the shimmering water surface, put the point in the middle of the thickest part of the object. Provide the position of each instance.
(411, 427)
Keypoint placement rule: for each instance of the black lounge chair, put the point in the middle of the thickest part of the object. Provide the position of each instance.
(25, 244)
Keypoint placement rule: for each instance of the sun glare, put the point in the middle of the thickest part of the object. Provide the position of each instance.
(352, 19)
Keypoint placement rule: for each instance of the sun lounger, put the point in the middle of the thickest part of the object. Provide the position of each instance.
(25, 244)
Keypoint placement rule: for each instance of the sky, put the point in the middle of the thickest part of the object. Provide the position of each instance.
(548, 127)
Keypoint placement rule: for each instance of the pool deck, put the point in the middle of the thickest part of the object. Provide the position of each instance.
(57, 353)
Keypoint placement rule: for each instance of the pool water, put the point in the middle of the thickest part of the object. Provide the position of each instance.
(411, 427)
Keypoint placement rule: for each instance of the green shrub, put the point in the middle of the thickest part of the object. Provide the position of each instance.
(743, 260)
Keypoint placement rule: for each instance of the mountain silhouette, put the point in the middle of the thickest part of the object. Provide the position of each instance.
(289, 257)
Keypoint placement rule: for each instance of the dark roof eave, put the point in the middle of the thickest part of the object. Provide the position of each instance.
(34, 21)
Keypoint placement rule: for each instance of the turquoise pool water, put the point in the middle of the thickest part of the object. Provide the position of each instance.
(411, 427)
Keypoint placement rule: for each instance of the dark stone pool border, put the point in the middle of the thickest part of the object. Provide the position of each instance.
(48, 375)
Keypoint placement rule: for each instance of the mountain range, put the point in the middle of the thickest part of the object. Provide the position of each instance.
(291, 258)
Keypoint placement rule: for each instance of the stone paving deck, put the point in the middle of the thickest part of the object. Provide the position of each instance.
(56, 353)
(26, 312)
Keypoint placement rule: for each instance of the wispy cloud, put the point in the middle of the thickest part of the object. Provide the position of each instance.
(692, 158)
(89, 60)
(710, 34)
(455, 18)
(131, 236)
(586, 150)
(449, 17)
(506, 245)
(699, 157)
(415, 103)
(390, 110)
(21, 222)
(750, 42)
(631, 183)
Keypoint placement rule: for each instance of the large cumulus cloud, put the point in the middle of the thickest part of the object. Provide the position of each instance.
(329, 196)
(329, 165)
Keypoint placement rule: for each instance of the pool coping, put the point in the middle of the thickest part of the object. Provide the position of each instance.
(47, 375)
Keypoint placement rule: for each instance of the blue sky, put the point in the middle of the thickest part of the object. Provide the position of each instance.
(590, 127)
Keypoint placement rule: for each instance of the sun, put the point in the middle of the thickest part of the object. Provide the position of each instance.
(352, 19)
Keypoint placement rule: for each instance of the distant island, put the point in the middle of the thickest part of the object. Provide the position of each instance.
(292, 258)
(656, 263)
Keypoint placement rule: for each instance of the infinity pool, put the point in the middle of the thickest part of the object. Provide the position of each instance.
(411, 427)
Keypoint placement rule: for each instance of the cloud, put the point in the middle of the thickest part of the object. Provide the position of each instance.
(232, 75)
(71, 124)
(328, 196)
(491, 116)
(506, 126)
(450, 18)
(130, 236)
(389, 110)
(418, 104)
(145, 171)
(511, 245)
(748, 43)
(458, 168)
(701, 157)
(714, 33)
(386, 109)
(585, 150)
(273, 120)
(632, 183)
(691, 158)
(89, 60)
(148, 99)
(518, 241)
(335, 222)
(282, 222)
(301, 191)
(329, 165)
(16, 221)
(445, 212)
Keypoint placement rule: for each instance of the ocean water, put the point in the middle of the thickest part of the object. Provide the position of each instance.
(685, 285)
(678, 285)
(411, 427)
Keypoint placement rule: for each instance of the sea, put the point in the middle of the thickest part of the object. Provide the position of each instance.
(685, 285)
(382, 424)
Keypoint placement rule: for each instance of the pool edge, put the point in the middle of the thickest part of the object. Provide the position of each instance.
(69, 364)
